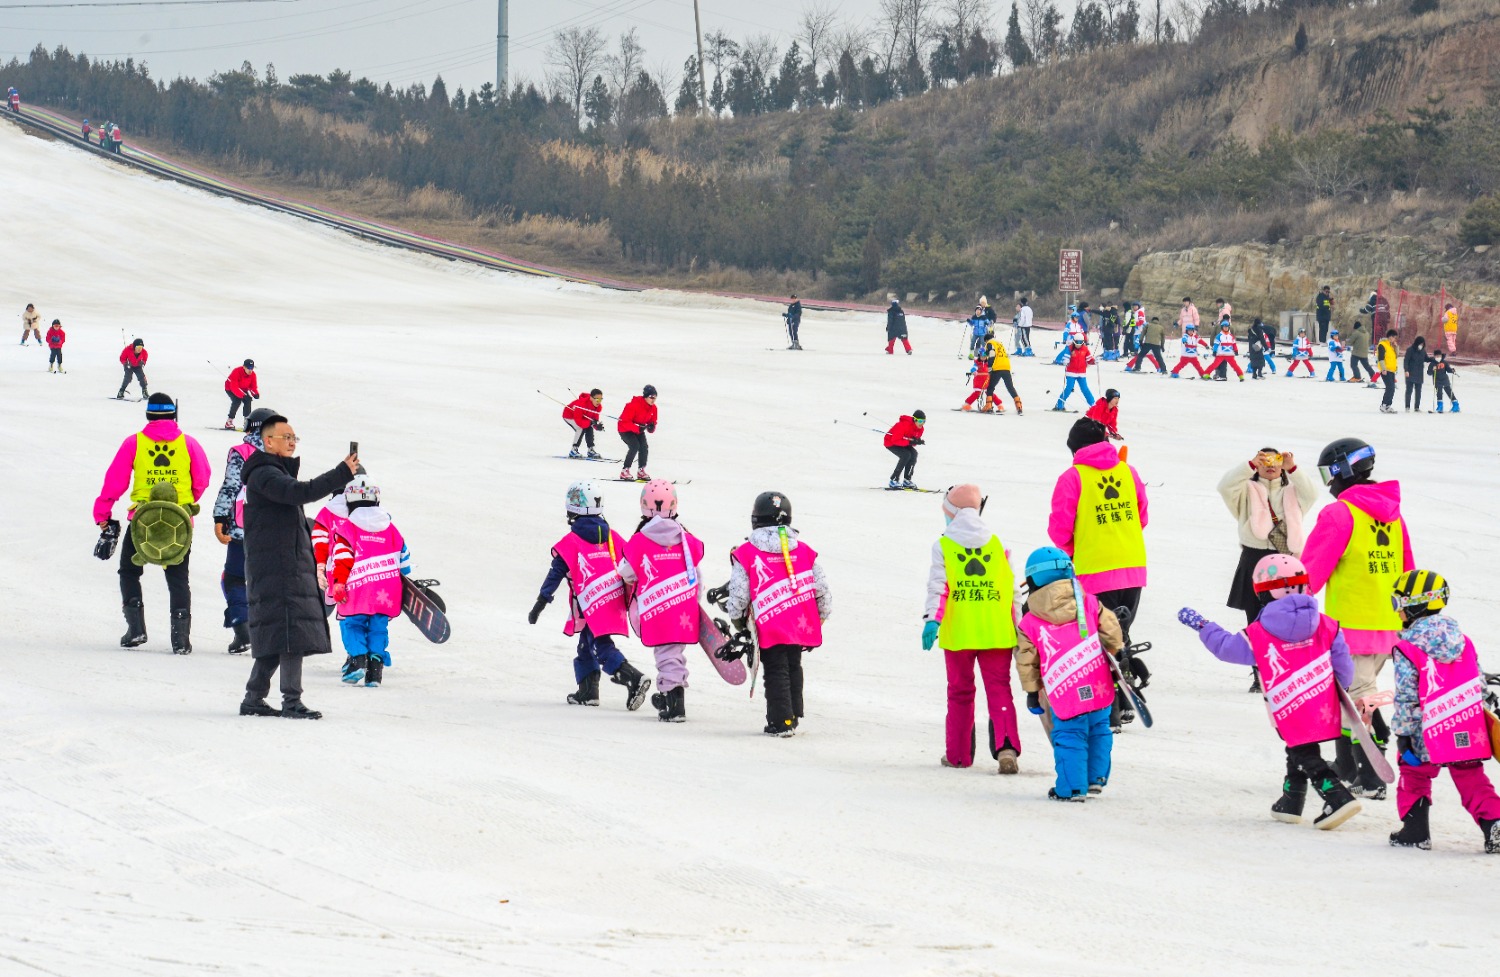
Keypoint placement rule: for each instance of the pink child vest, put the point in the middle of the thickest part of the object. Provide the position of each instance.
(594, 579)
(1075, 674)
(1298, 681)
(785, 606)
(335, 525)
(244, 451)
(374, 582)
(1452, 696)
(665, 609)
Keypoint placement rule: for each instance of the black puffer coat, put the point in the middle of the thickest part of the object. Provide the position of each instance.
(895, 322)
(286, 608)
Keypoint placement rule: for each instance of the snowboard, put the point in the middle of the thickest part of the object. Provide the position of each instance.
(606, 461)
(1366, 740)
(424, 608)
(1133, 694)
(712, 636)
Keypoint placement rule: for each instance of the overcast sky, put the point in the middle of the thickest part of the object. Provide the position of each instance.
(400, 41)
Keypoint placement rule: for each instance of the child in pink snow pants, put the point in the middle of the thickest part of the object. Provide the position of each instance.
(1439, 720)
(970, 615)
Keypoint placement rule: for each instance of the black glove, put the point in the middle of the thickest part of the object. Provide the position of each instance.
(598, 426)
(536, 609)
(651, 428)
(1034, 704)
(917, 441)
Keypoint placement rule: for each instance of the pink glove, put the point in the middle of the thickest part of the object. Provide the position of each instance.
(338, 592)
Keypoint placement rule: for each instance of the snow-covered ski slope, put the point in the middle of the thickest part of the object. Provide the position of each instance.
(464, 820)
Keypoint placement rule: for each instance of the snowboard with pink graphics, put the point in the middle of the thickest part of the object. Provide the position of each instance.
(1357, 725)
(711, 639)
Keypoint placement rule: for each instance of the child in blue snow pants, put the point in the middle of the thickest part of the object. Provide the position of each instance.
(1081, 751)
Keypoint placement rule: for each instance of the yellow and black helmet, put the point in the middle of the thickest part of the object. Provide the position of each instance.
(1420, 592)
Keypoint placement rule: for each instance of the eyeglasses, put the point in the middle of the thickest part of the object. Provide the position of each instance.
(288, 438)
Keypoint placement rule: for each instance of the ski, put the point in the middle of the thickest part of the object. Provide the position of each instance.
(611, 461)
(1060, 410)
(887, 488)
(126, 400)
(1358, 728)
(992, 413)
(642, 481)
(224, 430)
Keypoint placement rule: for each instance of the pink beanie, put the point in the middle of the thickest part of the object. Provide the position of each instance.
(966, 496)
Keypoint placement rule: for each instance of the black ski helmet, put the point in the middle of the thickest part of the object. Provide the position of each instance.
(258, 417)
(918, 415)
(771, 509)
(649, 391)
(1347, 460)
(1111, 394)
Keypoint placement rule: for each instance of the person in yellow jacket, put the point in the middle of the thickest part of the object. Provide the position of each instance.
(999, 372)
(1387, 360)
(970, 614)
(1450, 327)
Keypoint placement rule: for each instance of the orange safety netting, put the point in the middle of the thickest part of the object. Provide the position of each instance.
(1415, 314)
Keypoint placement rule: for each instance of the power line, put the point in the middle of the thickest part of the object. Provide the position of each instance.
(135, 3)
(216, 25)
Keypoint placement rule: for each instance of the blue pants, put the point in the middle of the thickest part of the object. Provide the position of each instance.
(1080, 751)
(236, 602)
(595, 654)
(1270, 361)
(1335, 365)
(366, 634)
(1082, 383)
(1062, 355)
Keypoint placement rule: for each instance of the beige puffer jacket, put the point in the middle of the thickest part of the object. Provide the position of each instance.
(1054, 604)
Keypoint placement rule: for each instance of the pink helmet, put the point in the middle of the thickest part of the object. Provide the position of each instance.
(659, 498)
(1278, 575)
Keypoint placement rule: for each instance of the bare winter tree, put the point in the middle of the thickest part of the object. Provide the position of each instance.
(1033, 14)
(576, 54)
(759, 52)
(909, 25)
(626, 63)
(667, 79)
(816, 31)
(963, 17)
(1188, 16)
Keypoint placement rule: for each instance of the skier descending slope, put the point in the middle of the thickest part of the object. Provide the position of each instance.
(582, 415)
(133, 359)
(971, 615)
(636, 421)
(242, 387)
(1065, 635)
(1301, 654)
(227, 528)
(159, 453)
(1099, 514)
(902, 440)
(779, 580)
(1354, 553)
(662, 575)
(588, 560)
(368, 558)
(1439, 718)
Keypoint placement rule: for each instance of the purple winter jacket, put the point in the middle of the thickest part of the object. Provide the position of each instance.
(1290, 618)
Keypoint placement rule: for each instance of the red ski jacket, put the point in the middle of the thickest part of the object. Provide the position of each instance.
(1078, 361)
(1106, 415)
(582, 411)
(981, 375)
(242, 381)
(637, 416)
(903, 432)
(56, 337)
(129, 357)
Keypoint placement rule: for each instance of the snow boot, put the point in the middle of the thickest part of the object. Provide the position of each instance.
(573, 453)
(1097, 786)
(121, 394)
(354, 669)
(1053, 795)
(135, 624)
(593, 455)
(296, 710)
(229, 424)
(1018, 406)
(1007, 759)
(1440, 407)
(636, 685)
(257, 707)
(968, 406)
(1255, 682)
(240, 643)
(588, 691)
(641, 476)
(894, 484)
(907, 483)
(1455, 407)
(1338, 804)
(1491, 831)
(786, 730)
(1289, 807)
(1343, 760)
(182, 626)
(625, 475)
(671, 707)
(1414, 832)
(375, 673)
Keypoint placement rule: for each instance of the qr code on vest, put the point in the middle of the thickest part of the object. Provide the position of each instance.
(1086, 693)
(1461, 740)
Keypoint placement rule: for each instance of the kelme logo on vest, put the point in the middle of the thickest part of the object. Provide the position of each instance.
(1112, 508)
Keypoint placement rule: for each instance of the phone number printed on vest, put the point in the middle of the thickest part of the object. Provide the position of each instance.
(1453, 708)
(663, 594)
(775, 599)
(1291, 690)
(1068, 669)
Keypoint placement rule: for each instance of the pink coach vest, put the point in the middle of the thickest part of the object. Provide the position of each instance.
(1298, 681)
(594, 579)
(374, 582)
(336, 525)
(785, 607)
(665, 608)
(244, 451)
(1075, 675)
(1452, 699)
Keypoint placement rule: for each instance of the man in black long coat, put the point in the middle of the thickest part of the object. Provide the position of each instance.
(286, 607)
(895, 328)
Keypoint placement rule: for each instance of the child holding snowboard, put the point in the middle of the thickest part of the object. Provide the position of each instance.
(1299, 654)
(366, 560)
(661, 576)
(588, 558)
(971, 616)
(1439, 719)
(1064, 637)
(778, 580)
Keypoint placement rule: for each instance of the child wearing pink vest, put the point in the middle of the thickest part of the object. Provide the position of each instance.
(662, 576)
(588, 560)
(1439, 720)
(1063, 640)
(777, 590)
(1298, 653)
(367, 559)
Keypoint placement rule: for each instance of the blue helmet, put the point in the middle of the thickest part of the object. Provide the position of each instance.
(1048, 565)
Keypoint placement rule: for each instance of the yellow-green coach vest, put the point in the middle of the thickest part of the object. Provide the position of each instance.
(1107, 530)
(980, 589)
(161, 461)
(1358, 593)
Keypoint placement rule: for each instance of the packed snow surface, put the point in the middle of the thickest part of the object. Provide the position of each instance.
(464, 820)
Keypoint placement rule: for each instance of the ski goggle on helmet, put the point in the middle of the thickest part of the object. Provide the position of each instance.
(1419, 592)
(1278, 575)
(1344, 466)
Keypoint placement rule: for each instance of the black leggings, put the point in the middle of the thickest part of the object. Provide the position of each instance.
(180, 596)
(635, 444)
(996, 376)
(55, 357)
(782, 665)
(1414, 387)
(138, 374)
(235, 403)
(1441, 387)
(906, 460)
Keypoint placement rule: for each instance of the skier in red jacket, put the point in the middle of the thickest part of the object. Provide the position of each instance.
(55, 339)
(133, 359)
(901, 440)
(582, 415)
(636, 421)
(1106, 410)
(242, 386)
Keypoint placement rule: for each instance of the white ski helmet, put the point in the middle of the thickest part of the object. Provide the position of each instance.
(585, 499)
(362, 491)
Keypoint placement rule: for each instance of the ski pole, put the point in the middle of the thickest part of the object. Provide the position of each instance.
(559, 403)
(852, 424)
